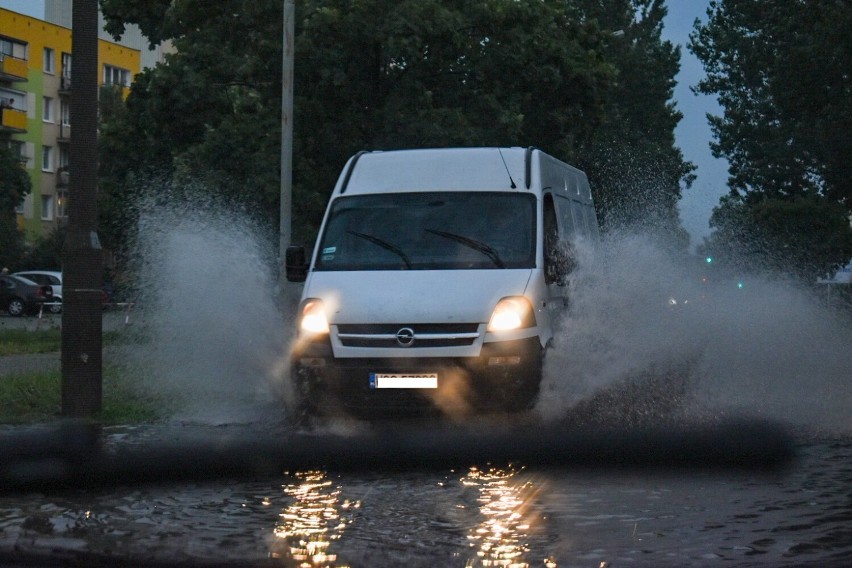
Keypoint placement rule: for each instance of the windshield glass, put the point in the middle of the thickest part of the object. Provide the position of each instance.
(430, 231)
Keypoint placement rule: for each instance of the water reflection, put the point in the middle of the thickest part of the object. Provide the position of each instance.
(312, 522)
(501, 539)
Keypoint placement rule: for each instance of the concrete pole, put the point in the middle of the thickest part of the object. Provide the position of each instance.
(82, 260)
(286, 207)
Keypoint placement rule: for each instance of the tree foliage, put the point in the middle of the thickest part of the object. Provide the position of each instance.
(803, 236)
(633, 153)
(780, 69)
(379, 74)
(14, 186)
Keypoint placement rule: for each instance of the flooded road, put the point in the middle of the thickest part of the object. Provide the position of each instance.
(484, 514)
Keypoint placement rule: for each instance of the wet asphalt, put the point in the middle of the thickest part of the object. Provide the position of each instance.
(478, 512)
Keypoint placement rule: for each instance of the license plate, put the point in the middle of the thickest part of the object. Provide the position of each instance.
(403, 380)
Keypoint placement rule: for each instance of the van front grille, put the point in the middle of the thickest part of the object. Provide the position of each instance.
(408, 335)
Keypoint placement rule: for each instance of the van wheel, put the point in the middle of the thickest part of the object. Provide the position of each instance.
(524, 392)
(301, 411)
(16, 307)
(55, 308)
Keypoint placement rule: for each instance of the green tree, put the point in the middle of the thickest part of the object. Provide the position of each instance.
(210, 115)
(373, 74)
(45, 253)
(803, 236)
(437, 73)
(14, 186)
(640, 171)
(780, 69)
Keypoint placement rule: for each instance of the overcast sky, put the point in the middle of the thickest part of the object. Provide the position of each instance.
(692, 135)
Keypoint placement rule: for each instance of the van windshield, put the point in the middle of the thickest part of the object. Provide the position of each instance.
(430, 231)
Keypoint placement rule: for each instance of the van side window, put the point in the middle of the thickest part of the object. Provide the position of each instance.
(557, 264)
(567, 224)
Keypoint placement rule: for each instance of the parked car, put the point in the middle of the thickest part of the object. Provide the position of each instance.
(50, 278)
(20, 296)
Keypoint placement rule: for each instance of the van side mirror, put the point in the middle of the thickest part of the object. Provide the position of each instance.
(295, 264)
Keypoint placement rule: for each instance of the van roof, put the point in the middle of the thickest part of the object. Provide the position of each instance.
(445, 169)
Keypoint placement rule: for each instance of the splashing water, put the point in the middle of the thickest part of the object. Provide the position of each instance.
(214, 334)
(645, 337)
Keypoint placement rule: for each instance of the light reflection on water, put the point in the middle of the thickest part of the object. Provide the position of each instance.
(502, 538)
(507, 519)
(455, 519)
(312, 522)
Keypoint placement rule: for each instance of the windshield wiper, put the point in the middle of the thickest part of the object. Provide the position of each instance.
(472, 243)
(385, 245)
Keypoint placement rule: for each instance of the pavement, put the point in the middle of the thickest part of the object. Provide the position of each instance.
(30, 363)
(47, 362)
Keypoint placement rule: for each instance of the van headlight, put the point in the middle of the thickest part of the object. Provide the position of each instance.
(313, 319)
(513, 312)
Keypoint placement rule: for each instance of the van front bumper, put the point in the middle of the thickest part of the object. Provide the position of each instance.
(505, 376)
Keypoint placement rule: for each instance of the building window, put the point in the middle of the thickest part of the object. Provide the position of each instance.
(62, 204)
(116, 76)
(66, 64)
(65, 112)
(48, 60)
(47, 158)
(46, 207)
(64, 156)
(65, 80)
(13, 48)
(48, 109)
(16, 99)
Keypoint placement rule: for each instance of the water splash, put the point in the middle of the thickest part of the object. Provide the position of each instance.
(213, 331)
(646, 338)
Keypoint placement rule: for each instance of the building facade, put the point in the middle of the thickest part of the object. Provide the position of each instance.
(35, 89)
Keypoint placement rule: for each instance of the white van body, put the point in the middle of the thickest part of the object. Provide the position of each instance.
(401, 316)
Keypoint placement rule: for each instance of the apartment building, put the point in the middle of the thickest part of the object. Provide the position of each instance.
(35, 88)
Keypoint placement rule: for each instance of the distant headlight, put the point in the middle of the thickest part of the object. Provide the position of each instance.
(313, 317)
(514, 312)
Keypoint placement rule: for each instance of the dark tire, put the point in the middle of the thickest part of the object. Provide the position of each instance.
(531, 385)
(55, 308)
(16, 307)
(527, 386)
(302, 410)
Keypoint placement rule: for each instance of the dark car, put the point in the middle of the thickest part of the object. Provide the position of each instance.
(20, 296)
(52, 278)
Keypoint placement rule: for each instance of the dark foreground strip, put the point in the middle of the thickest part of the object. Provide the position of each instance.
(72, 456)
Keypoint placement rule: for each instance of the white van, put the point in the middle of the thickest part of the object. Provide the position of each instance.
(436, 280)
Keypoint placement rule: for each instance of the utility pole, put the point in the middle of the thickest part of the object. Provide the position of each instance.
(82, 270)
(286, 207)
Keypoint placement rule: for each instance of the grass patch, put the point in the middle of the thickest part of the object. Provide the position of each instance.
(24, 342)
(35, 397)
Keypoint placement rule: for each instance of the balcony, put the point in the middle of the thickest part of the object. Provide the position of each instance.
(12, 69)
(64, 85)
(13, 121)
(64, 135)
(63, 179)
